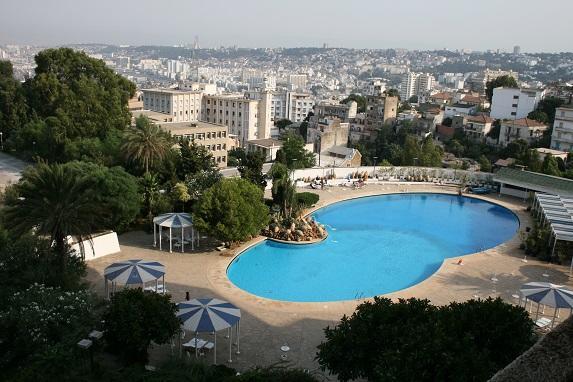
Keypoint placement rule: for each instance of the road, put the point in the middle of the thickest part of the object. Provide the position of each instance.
(10, 169)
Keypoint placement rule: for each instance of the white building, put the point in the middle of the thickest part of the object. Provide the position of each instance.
(562, 136)
(524, 129)
(286, 104)
(246, 118)
(415, 83)
(180, 105)
(510, 103)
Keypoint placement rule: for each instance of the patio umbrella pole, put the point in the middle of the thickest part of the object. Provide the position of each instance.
(230, 345)
(537, 313)
(160, 238)
(164, 283)
(238, 335)
(182, 241)
(170, 241)
(154, 236)
(215, 350)
(196, 342)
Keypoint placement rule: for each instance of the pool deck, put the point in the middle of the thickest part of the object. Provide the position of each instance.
(267, 324)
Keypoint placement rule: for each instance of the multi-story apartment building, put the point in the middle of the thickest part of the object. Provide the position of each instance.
(524, 128)
(510, 103)
(562, 135)
(180, 105)
(344, 111)
(478, 82)
(327, 132)
(415, 83)
(205, 88)
(213, 137)
(476, 127)
(297, 81)
(248, 119)
(285, 104)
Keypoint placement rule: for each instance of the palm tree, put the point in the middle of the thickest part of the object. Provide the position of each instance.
(150, 191)
(55, 201)
(284, 194)
(146, 143)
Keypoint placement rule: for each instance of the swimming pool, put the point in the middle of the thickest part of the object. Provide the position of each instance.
(376, 245)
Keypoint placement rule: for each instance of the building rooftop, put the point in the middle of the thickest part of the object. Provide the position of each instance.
(535, 181)
(266, 142)
(176, 126)
(523, 122)
(480, 118)
(444, 96)
(170, 91)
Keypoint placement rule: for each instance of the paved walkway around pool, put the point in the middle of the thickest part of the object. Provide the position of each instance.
(267, 324)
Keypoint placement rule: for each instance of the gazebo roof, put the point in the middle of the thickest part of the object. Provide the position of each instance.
(174, 220)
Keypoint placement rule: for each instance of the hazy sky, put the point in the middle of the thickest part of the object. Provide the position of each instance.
(414, 24)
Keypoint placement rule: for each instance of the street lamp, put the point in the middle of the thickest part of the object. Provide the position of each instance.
(1, 141)
(374, 174)
(293, 168)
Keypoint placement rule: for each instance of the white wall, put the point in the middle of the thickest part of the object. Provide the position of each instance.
(395, 172)
(98, 246)
(503, 101)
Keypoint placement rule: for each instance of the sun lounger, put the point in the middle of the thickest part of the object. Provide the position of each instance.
(543, 322)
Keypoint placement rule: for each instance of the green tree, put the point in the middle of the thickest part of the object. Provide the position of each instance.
(548, 106)
(40, 327)
(115, 190)
(550, 166)
(413, 99)
(235, 156)
(495, 129)
(84, 98)
(194, 158)
(146, 143)
(56, 201)
(13, 108)
(284, 196)
(412, 340)
(283, 123)
(303, 129)
(484, 164)
(232, 210)
(360, 102)
(502, 81)
(251, 169)
(393, 93)
(294, 152)
(431, 155)
(200, 181)
(530, 158)
(180, 193)
(539, 115)
(455, 147)
(150, 191)
(134, 318)
(411, 152)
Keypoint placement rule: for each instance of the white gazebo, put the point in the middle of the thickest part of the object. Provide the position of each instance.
(181, 223)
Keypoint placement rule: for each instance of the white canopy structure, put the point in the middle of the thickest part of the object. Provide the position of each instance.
(181, 222)
(556, 212)
(133, 272)
(210, 315)
(547, 294)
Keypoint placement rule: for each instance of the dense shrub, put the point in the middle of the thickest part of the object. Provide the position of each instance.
(412, 340)
(306, 199)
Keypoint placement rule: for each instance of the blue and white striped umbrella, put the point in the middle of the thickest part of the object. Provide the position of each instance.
(134, 272)
(174, 220)
(208, 314)
(555, 296)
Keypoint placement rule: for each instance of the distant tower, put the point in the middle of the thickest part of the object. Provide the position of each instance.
(324, 46)
(517, 49)
(196, 43)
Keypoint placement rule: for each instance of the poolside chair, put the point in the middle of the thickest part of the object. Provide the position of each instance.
(543, 323)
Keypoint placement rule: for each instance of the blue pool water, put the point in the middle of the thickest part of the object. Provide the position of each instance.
(376, 245)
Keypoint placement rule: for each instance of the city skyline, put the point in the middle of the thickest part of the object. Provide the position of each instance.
(262, 24)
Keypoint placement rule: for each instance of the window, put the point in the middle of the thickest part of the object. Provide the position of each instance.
(516, 97)
(513, 113)
(514, 105)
